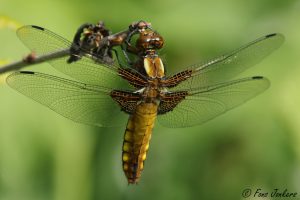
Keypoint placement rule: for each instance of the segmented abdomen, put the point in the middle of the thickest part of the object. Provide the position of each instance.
(136, 140)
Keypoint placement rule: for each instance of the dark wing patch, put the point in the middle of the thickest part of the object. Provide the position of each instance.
(135, 79)
(170, 100)
(127, 100)
(177, 78)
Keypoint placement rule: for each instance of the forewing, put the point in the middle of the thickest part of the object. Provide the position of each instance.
(79, 102)
(42, 42)
(206, 103)
(230, 65)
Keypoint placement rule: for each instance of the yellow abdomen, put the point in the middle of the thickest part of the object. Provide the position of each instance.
(136, 140)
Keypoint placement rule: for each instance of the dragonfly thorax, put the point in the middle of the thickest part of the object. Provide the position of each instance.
(154, 67)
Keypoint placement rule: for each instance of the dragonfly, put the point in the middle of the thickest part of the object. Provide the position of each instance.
(105, 94)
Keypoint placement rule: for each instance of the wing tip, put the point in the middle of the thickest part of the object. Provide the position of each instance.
(8, 78)
(260, 78)
(265, 81)
(278, 35)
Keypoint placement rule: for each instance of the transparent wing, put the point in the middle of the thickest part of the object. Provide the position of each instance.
(205, 103)
(42, 42)
(230, 65)
(79, 102)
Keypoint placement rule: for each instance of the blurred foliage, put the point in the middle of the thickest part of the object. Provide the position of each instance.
(45, 156)
(6, 22)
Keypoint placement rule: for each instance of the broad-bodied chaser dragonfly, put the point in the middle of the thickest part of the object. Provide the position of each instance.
(107, 94)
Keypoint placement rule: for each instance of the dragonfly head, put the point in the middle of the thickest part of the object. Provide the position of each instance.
(149, 39)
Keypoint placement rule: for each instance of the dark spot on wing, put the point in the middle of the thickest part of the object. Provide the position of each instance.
(271, 35)
(26, 72)
(257, 77)
(38, 27)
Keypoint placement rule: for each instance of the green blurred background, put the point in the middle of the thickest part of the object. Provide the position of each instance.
(45, 156)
